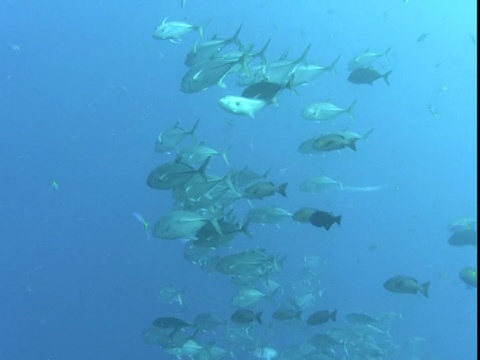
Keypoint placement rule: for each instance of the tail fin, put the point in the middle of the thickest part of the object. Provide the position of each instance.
(234, 38)
(338, 219)
(258, 317)
(350, 110)
(281, 189)
(193, 131)
(202, 28)
(331, 67)
(385, 77)
(333, 315)
(424, 289)
(224, 155)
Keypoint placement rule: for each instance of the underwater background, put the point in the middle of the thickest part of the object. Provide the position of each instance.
(84, 92)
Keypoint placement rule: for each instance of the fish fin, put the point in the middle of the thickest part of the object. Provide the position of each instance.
(338, 219)
(175, 40)
(333, 315)
(234, 38)
(281, 189)
(424, 289)
(350, 110)
(328, 226)
(331, 67)
(385, 77)
(224, 155)
(202, 28)
(258, 317)
(352, 145)
(193, 131)
(202, 168)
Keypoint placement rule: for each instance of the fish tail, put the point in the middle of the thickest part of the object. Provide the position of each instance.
(352, 145)
(333, 315)
(202, 168)
(261, 53)
(304, 55)
(350, 110)
(281, 189)
(234, 38)
(193, 131)
(424, 289)
(258, 317)
(385, 54)
(385, 77)
(298, 315)
(367, 134)
(201, 28)
(224, 155)
(338, 219)
(332, 67)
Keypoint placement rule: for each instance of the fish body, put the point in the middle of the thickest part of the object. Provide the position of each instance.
(465, 223)
(239, 105)
(267, 214)
(167, 140)
(463, 238)
(319, 184)
(367, 76)
(366, 59)
(206, 50)
(174, 30)
(262, 189)
(246, 316)
(180, 223)
(469, 276)
(306, 73)
(325, 111)
(172, 174)
(360, 318)
(247, 297)
(265, 90)
(331, 142)
(170, 322)
(324, 219)
(303, 214)
(284, 314)
(406, 285)
(321, 317)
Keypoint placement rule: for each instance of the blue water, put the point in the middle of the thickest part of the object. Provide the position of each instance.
(85, 90)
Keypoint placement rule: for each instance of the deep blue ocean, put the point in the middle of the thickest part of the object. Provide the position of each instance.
(84, 92)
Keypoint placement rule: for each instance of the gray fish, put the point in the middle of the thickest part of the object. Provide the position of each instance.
(173, 174)
(422, 37)
(167, 140)
(267, 214)
(333, 141)
(321, 111)
(285, 313)
(321, 317)
(206, 50)
(406, 285)
(318, 184)
(201, 76)
(469, 276)
(463, 238)
(324, 219)
(170, 322)
(303, 214)
(174, 30)
(360, 318)
(263, 189)
(179, 224)
(306, 73)
(366, 59)
(367, 76)
(246, 316)
(281, 71)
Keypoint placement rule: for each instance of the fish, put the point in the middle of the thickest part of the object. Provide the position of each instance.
(201, 76)
(174, 30)
(267, 214)
(366, 59)
(288, 313)
(361, 318)
(331, 142)
(321, 111)
(246, 316)
(180, 223)
(145, 224)
(464, 223)
(422, 37)
(173, 174)
(469, 276)
(171, 295)
(266, 91)
(239, 105)
(321, 317)
(197, 154)
(306, 73)
(262, 189)
(318, 184)
(265, 353)
(367, 76)
(249, 296)
(55, 185)
(303, 214)
(281, 71)
(167, 140)
(324, 219)
(406, 285)
(463, 238)
(170, 322)
(206, 50)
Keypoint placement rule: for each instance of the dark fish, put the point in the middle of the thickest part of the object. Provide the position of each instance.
(469, 276)
(245, 316)
(406, 285)
(265, 90)
(324, 219)
(283, 314)
(170, 322)
(422, 37)
(463, 238)
(321, 317)
(367, 76)
(259, 190)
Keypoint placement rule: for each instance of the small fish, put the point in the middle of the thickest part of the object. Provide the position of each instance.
(245, 316)
(239, 105)
(174, 30)
(145, 224)
(367, 76)
(432, 111)
(469, 276)
(55, 185)
(422, 37)
(321, 317)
